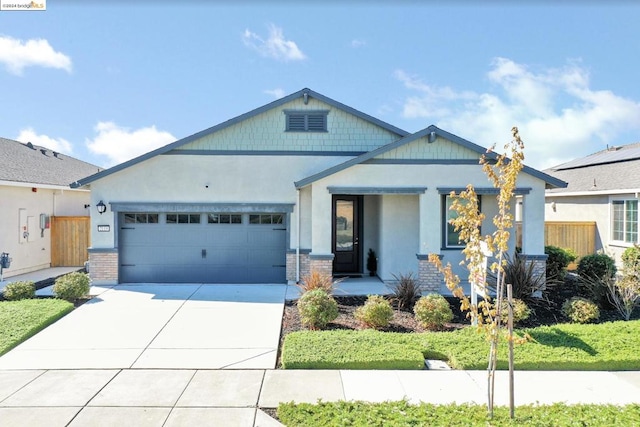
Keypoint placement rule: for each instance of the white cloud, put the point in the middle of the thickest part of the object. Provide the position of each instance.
(120, 144)
(275, 46)
(357, 43)
(60, 145)
(276, 93)
(17, 55)
(559, 115)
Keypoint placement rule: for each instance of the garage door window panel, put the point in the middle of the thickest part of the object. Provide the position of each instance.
(183, 218)
(140, 218)
(214, 218)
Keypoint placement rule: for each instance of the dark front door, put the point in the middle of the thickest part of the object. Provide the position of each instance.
(346, 234)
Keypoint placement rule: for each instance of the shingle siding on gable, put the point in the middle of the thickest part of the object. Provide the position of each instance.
(266, 131)
(440, 149)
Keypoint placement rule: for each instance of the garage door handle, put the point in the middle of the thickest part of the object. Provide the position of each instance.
(204, 253)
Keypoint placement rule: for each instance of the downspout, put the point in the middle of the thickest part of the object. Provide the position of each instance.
(298, 237)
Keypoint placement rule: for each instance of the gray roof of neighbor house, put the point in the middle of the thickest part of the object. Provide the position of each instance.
(33, 164)
(614, 169)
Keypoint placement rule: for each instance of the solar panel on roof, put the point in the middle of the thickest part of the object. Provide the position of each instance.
(629, 152)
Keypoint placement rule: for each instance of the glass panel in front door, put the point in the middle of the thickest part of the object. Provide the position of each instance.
(344, 225)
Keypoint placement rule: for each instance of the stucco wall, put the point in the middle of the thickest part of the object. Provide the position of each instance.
(33, 253)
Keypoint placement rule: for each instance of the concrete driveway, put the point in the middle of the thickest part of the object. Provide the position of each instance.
(155, 326)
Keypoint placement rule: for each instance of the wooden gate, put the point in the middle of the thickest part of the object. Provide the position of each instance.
(70, 238)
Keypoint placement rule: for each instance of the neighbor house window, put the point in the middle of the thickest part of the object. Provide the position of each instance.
(183, 218)
(625, 221)
(306, 121)
(451, 237)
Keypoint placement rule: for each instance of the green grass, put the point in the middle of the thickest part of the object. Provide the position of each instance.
(606, 346)
(367, 349)
(403, 414)
(20, 320)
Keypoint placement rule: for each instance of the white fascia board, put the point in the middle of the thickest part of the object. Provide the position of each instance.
(43, 186)
(594, 193)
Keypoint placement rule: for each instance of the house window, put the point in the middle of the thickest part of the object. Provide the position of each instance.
(306, 121)
(183, 218)
(266, 219)
(451, 237)
(214, 218)
(625, 221)
(140, 218)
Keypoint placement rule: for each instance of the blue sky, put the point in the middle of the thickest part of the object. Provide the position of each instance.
(105, 81)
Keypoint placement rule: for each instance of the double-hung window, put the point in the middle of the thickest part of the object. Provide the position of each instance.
(625, 220)
(451, 237)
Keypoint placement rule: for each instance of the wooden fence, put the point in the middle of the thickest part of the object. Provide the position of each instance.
(70, 238)
(579, 236)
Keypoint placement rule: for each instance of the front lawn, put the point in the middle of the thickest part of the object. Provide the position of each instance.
(20, 320)
(605, 346)
(403, 414)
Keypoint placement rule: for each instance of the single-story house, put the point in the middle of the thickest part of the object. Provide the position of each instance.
(303, 183)
(603, 187)
(34, 188)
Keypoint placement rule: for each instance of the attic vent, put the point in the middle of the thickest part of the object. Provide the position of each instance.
(55, 154)
(613, 148)
(43, 151)
(30, 145)
(306, 121)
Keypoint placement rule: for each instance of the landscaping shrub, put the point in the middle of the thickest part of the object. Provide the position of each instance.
(624, 294)
(522, 275)
(596, 266)
(405, 291)
(433, 311)
(16, 291)
(317, 280)
(631, 261)
(72, 286)
(520, 310)
(580, 310)
(558, 260)
(376, 312)
(317, 308)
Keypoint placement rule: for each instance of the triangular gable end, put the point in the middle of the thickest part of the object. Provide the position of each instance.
(430, 145)
(303, 95)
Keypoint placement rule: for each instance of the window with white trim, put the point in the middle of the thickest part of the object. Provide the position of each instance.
(306, 121)
(451, 237)
(625, 220)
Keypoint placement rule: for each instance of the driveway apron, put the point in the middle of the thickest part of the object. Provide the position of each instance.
(155, 326)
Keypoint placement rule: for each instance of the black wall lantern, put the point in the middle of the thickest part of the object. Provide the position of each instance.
(102, 208)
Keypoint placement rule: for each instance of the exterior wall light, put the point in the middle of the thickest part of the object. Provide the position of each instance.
(102, 208)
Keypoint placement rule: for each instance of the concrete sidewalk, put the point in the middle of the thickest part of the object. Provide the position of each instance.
(234, 398)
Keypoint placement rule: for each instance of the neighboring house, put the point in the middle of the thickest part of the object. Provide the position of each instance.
(303, 183)
(602, 187)
(34, 187)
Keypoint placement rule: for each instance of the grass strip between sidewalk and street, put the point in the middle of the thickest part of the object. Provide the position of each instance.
(20, 320)
(401, 413)
(608, 346)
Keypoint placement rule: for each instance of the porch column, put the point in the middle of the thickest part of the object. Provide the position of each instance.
(321, 257)
(430, 240)
(533, 230)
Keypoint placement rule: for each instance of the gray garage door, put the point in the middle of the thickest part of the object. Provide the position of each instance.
(202, 248)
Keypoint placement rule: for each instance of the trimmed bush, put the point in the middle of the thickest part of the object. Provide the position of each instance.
(72, 286)
(16, 291)
(433, 311)
(405, 291)
(558, 260)
(580, 310)
(520, 310)
(317, 308)
(376, 312)
(597, 266)
(631, 261)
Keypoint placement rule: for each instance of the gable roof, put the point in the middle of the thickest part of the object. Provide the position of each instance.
(614, 169)
(430, 132)
(30, 164)
(275, 104)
